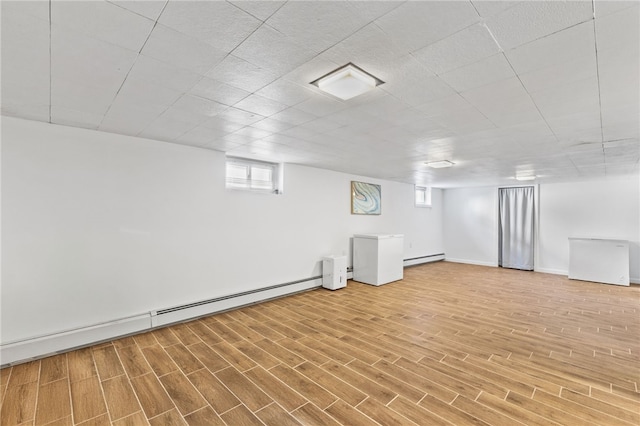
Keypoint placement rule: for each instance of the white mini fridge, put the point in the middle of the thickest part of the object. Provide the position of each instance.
(334, 272)
(378, 258)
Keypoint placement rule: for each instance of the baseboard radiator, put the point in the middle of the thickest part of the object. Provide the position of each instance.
(423, 259)
(39, 347)
(193, 310)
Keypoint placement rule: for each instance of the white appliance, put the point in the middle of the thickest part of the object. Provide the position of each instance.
(599, 260)
(334, 272)
(378, 258)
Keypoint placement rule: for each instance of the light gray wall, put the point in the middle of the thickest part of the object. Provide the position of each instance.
(607, 208)
(97, 227)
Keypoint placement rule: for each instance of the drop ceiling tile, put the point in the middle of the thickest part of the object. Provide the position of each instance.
(222, 125)
(286, 92)
(166, 129)
(163, 74)
(184, 116)
(465, 121)
(531, 20)
(525, 115)
(217, 91)
(368, 47)
(272, 50)
(323, 125)
(103, 21)
(624, 121)
(311, 71)
(620, 28)
(485, 71)
(179, 50)
(566, 45)
(260, 105)
(25, 111)
(239, 116)
(504, 107)
(239, 73)
(495, 92)
(221, 145)
(560, 74)
(303, 134)
(465, 47)
(445, 106)
(25, 59)
(88, 61)
(271, 125)
(487, 8)
(418, 24)
(69, 117)
(603, 8)
(129, 119)
(316, 25)
(321, 106)
(253, 133)
(35, 9)
(148, 8)
(218, 23)
(200, 136)
(258, 9)
(579, 96)
(140, 91)
(199, 106)
(80, 97)
(613, 132)
(622, 152)
(419, 90)
(294, 116)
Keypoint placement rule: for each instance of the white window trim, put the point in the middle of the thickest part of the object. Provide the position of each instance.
(276, 177)
(427, 195)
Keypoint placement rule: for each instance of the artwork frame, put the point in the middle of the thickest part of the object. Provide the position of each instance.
(366, 198)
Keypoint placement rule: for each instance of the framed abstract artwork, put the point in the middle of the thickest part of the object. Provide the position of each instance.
(366, 198)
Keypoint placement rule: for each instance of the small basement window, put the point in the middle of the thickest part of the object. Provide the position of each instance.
(253, 175)
(423, 196)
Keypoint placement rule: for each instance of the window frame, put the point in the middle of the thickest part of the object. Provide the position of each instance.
(427, 196)
(249, 164)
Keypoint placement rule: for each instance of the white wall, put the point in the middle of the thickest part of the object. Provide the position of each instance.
(98, 226)
(607, 208)
(594, 209)
(471, 225)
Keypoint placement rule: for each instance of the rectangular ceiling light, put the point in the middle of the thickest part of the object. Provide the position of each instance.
(525, 177)
(440, 164)
(347, 82)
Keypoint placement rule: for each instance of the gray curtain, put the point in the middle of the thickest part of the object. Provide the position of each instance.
(516, 228)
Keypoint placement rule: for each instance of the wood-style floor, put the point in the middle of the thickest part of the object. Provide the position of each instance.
(449, 344)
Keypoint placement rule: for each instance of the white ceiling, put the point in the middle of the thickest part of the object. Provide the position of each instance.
(500, 88)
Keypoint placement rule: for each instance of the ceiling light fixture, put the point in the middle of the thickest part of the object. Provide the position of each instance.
(347, 82)
(526, 177)
(439, 164)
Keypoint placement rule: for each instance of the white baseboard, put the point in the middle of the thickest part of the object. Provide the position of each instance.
(39, 347)
(424, 259)
(224, 304)
(552, 271)
(471, 262)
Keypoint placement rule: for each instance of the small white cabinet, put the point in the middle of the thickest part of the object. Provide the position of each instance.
(600, 260)
(334, 272)
(378, 258)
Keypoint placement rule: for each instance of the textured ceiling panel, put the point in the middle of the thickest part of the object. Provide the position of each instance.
(497, 87)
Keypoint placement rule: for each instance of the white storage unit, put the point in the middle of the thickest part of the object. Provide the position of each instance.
(334, 272)
(378, 258)
(599, 260)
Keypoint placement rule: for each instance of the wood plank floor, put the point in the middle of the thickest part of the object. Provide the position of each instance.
(449, 344)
